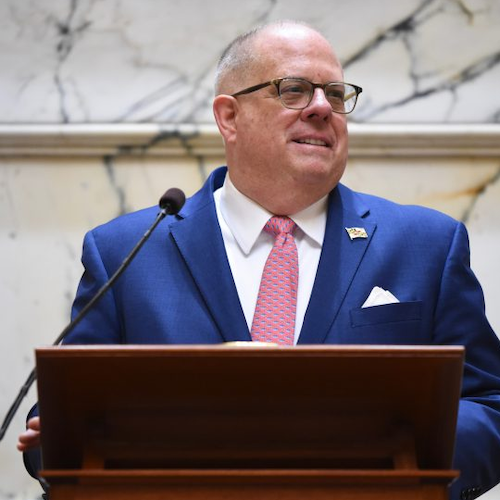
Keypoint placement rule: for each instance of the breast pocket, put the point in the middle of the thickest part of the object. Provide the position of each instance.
(398, 323)
(389, 313)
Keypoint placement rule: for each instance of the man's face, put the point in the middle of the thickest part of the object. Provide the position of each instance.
(282, 150)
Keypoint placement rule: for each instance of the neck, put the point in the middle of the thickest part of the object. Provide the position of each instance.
(288, 202)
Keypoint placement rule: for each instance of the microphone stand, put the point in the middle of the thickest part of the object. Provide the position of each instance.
(170, 203)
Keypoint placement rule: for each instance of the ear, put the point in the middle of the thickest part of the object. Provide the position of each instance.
(225, 110)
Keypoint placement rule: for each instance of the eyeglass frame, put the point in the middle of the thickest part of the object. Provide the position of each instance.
(276, 82)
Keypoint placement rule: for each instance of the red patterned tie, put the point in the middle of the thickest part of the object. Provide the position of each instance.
(274, 318)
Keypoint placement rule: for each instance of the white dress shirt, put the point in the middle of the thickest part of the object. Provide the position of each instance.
(247, 246)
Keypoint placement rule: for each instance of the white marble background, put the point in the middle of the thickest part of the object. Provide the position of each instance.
(68, 61)
(430, 64)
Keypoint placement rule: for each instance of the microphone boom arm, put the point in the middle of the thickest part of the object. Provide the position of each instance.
(170, 203)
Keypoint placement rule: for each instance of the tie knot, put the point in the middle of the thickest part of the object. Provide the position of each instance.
(279, 225)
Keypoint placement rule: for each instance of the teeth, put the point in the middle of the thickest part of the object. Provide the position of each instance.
(314, 142)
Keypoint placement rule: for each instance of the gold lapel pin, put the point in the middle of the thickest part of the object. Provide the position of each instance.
(356, 232)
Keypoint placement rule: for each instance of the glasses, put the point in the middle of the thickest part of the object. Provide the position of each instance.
(297, 93)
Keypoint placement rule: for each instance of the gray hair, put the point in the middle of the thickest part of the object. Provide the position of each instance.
(237, 60)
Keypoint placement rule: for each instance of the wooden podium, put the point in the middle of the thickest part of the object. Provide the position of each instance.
(232, 422)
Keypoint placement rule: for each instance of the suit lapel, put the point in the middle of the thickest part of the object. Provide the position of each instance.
(339, 262)
(199, 241)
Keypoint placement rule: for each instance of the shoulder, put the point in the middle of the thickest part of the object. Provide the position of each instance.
(118, 236)
(131, 223)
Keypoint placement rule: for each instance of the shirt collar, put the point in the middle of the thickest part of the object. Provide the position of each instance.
(246, 219)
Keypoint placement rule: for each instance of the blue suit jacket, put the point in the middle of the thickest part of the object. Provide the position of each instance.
(179, 289)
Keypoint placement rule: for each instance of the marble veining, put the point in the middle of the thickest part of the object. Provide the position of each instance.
(124, 151)
(478, 192)
(117, 190)
(415, 33)
(119, 61)
(68, 34)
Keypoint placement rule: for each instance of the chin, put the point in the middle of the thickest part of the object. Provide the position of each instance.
(319, 172)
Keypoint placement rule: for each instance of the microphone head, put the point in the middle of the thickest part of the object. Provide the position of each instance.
(172, 201)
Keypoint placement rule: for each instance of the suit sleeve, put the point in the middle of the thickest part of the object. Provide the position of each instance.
(460, 320)
(102, 324)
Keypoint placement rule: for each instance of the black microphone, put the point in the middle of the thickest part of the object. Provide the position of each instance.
(172, 201)
(170, 204)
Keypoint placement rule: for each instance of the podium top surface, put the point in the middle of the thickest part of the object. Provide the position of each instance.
(253, 349)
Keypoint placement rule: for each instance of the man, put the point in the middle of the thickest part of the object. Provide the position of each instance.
(198, 280)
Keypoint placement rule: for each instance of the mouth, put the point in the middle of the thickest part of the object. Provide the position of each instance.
(313, 142)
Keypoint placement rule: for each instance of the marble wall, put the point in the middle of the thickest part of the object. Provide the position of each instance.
(71, 61)
(106, 103)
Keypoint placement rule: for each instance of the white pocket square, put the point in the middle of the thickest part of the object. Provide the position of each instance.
(379, 297)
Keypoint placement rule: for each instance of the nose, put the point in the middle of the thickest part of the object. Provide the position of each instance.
(319, 108)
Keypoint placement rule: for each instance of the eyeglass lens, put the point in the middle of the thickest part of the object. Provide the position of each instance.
(297, 94)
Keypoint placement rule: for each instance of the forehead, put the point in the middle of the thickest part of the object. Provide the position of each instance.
(296, 51)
